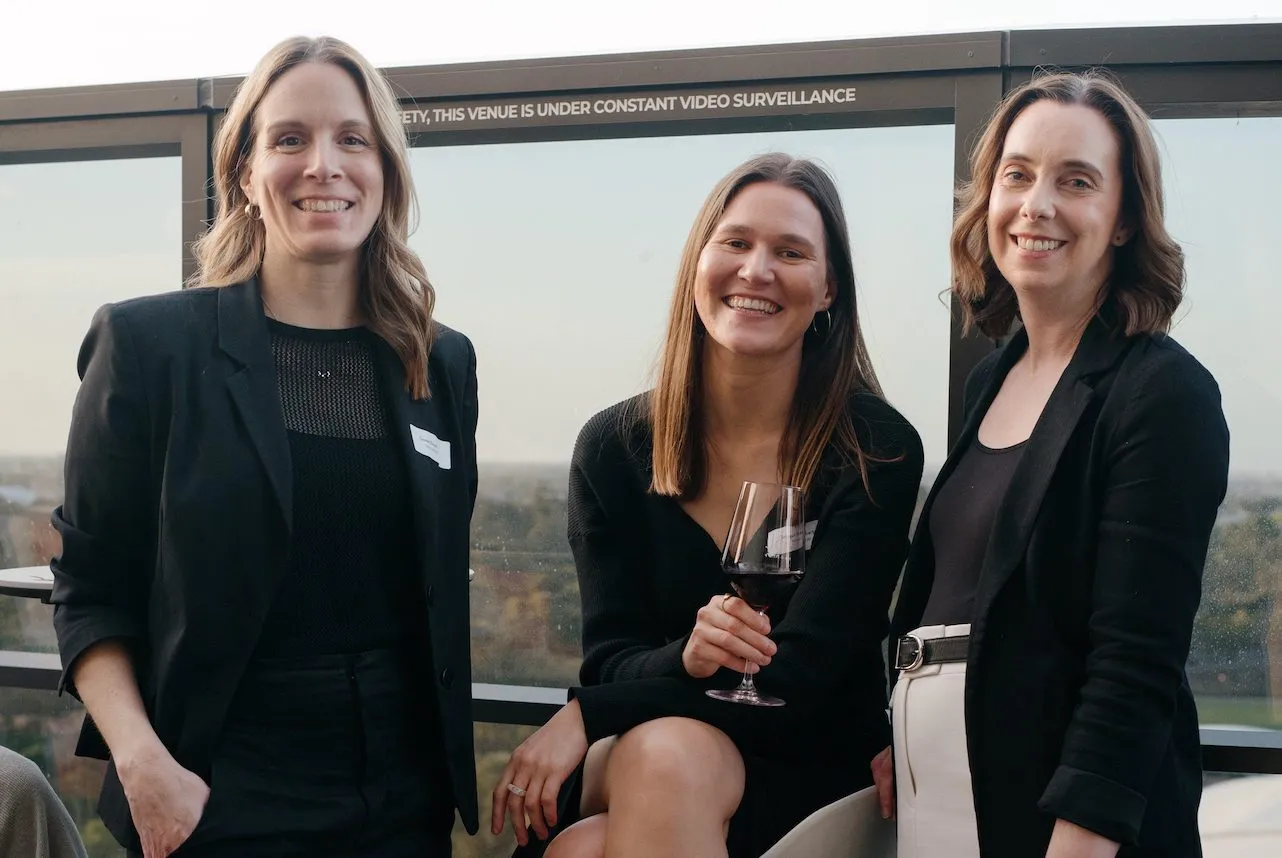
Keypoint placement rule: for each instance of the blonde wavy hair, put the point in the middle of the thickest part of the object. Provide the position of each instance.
(395, 294)
(1147, 282)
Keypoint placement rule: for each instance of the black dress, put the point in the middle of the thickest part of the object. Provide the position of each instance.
(645, 568)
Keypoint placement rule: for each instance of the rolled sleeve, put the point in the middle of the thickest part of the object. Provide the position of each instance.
(471, 411)
(1096, 803)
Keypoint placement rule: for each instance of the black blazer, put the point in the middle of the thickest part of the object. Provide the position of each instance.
(1077, 703)
(177, 516)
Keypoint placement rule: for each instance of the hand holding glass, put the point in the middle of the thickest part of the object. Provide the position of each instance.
(765, 557)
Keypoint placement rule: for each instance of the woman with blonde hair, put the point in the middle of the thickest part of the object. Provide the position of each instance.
(1042, 628)
(261, 596)
(764, 377)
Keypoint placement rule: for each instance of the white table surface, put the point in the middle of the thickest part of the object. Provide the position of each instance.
(32, 582)
(36, 582)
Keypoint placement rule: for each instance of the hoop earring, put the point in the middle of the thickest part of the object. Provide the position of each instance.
(814, 326)
(253, 212)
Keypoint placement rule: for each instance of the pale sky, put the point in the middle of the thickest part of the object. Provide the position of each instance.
(75, 42)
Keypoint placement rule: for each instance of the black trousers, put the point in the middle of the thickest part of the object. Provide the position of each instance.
(330, 755)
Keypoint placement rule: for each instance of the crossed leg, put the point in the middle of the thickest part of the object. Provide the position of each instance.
(666, 787)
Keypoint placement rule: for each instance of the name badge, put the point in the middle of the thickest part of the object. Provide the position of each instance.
(429, 445)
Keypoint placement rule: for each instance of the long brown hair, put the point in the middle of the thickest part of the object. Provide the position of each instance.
(395, 294)
(1147, 283)
(834, 364)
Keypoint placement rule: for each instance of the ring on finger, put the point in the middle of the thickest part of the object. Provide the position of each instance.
(726, 598)
(516, 790)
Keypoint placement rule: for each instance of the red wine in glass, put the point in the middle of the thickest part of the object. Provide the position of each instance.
(762, 588)
(764, 557)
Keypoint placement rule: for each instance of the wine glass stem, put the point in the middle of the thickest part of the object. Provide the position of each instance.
(746, 683)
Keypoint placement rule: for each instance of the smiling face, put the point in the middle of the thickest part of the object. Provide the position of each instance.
(315, 170)
(763, 273)
(1055, 210)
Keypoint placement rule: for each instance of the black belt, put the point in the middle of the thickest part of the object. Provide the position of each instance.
(913, 652)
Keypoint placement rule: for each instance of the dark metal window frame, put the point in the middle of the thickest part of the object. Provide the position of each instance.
(1175, 72)
(183, 135)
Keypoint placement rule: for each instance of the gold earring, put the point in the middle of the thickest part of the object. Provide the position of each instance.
(253, 212)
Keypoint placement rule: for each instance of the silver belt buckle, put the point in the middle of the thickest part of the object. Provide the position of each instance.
(917, 656)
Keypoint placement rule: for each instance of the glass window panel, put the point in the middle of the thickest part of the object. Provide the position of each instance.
(494, 746)
(558, 260)
(43, 727)
(1223, 181)
(26, 625)
(73, 236)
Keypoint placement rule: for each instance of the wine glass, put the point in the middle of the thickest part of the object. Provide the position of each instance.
(765, 557)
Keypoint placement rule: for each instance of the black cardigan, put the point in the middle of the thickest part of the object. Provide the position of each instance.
(1077, 704)
(645, 568)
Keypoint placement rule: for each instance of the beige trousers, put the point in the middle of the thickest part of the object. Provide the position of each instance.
(933, 802)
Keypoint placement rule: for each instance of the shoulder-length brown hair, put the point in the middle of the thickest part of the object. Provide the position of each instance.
(834, 363)
(1147, 282)
(395, 294)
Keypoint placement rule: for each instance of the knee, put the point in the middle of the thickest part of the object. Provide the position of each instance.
(680, 755)
(583, 839)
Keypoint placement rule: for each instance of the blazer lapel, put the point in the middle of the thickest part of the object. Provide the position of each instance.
(1018, 511)
(425, 443)
(243, 336)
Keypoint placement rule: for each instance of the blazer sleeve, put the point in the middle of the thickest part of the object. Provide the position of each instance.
(471, 415)
(106, 520)
(837, 616)
(1165, 480)
(620, 642)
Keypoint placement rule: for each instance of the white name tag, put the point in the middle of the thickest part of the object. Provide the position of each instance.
(429, 445)
(778, 543)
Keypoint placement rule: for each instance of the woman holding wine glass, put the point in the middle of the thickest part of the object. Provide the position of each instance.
(764, 378)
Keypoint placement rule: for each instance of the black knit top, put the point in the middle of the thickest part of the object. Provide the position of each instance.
(351, 583)
(961, 520)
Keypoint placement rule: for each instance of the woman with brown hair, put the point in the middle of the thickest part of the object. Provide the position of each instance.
(764, 376)
(262, 592)
(1042, 628)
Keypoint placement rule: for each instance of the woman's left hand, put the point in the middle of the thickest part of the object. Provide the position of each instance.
(538, 768)
(1073, 841)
